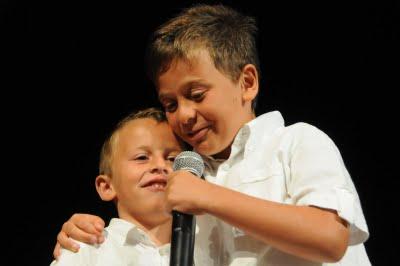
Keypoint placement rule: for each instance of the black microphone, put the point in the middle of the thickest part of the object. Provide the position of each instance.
(184, 225)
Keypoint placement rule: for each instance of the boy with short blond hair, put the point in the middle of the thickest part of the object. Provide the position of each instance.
(134, 164)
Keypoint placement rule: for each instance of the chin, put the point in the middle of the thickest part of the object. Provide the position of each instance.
(211, 151)
(204, 150)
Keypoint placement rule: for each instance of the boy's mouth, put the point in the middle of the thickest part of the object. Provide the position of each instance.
(198, 135)
(157, 186)
(157, 183)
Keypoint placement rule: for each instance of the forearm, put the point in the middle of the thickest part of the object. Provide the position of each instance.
(306, 232)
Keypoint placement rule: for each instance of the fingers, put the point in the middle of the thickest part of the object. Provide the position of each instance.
(89, 223)
(81, 227)
(64, 241)
(57, 251)
(70, 230)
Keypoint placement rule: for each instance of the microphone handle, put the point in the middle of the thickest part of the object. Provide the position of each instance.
(182, 239)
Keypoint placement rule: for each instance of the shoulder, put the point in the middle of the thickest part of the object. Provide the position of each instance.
(271, 125)
(269, 131)
(301, 134)
(296, 134)
(297, 141)
(302, 129)
(85, 256)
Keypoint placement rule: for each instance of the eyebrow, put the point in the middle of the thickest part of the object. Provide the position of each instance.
(142, 147)
(167, 149)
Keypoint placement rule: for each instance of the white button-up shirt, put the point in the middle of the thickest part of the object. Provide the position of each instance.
(297, 165)
(124, 245)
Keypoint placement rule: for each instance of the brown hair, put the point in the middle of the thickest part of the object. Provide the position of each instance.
(228, 36)
(107, 149)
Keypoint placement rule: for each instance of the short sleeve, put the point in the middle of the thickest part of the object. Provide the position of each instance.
(320, 178)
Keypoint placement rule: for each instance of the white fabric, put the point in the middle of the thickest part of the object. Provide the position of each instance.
(297, 165)
(124, 245)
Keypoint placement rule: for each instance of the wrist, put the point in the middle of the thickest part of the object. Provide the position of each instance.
(207, 199)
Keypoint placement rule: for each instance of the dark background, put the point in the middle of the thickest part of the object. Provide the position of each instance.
(72, 69)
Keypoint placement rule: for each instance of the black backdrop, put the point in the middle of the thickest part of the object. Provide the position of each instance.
(73, 68)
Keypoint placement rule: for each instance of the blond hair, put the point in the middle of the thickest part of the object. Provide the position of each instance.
(109, 144)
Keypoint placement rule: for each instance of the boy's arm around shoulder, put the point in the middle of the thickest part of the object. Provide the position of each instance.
(86, 228)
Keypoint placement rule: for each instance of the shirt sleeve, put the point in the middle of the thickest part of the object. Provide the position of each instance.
(320, 178)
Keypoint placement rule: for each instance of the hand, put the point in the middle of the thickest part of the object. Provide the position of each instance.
(82, 227)
(186, 193)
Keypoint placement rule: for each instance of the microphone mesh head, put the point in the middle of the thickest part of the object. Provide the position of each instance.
(189, 161)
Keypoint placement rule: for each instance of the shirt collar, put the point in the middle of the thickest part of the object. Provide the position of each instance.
(251, 133)
(263, 125)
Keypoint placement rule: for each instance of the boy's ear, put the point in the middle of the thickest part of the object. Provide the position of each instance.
(105, 188)
(249, 82)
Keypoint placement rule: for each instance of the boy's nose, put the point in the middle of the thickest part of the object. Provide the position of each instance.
(161, 166)
(187, 116)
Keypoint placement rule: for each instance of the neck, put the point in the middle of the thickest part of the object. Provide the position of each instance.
(224, 154)
(159, 232)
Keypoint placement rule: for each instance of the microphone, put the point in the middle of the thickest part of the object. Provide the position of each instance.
(184, 225)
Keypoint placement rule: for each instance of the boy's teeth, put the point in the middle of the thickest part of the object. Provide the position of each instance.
(157, 185)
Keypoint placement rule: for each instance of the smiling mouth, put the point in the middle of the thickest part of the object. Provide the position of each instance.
(198, 135)
(156, 186)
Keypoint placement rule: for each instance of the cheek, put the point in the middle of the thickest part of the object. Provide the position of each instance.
(172, 121)
(168, 166)
(132, 173)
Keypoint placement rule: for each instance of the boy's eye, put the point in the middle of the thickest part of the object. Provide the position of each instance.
(170, 107)
(171, 158)
(197, 96)
(141, 158)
